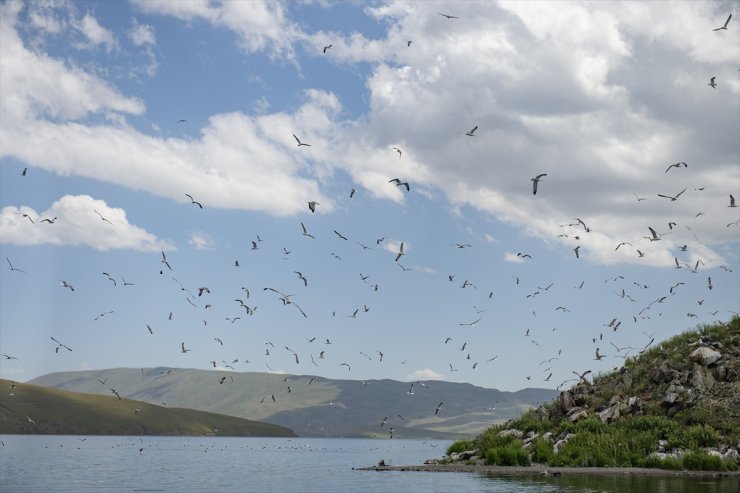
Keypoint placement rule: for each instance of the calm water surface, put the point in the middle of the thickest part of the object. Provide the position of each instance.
(181, 464)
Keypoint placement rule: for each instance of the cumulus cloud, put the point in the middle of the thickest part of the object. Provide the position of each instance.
(260, 25)
(425, 374)
(77, 220)
(94, 33)
(142, 34)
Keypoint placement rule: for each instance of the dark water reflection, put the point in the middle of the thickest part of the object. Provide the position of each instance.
(634, 484)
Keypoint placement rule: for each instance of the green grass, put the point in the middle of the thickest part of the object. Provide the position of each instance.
(53, 411)
(629, 441)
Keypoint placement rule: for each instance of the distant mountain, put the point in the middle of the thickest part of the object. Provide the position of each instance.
(33, 409)
(315, 406)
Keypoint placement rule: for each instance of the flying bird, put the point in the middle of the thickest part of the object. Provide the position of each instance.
(471, 132)
(398, 151)
(65, 284)
(400, 183)
(712, 83)
(673, 199)
(439, 406)
(192, 201)
(182, 348)
(101, 216)
(164, 261)
(446, 16)
(12, 268)
(327, 47)
(535, 181)
(312, 205)
(305, 232)
(724, 27)
(60, 346)
(732, 201)
(299, 142)
(677, 165)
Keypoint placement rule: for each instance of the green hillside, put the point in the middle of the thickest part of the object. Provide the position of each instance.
(27, 408)
(315, 406)
(675, 406)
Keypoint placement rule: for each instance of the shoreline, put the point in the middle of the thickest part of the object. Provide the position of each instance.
(553, 471)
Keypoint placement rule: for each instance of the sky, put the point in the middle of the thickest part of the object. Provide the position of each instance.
(112, 113)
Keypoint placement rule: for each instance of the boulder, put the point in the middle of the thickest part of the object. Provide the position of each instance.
(512, 432)
(704, 356)
(702, 380)
(565, 401)
(583, 413)
(609, 414)
(662, 374)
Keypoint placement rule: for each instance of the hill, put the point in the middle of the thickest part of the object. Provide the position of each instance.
(675, 406)
(315, 406)
(26, 408)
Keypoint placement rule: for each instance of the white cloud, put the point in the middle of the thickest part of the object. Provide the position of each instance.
(36, 85)
(201, 241)
(95, 33)
(77, 223)
(425, 374)
(142, 34)
(260, 24)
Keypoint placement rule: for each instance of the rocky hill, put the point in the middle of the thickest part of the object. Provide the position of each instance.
(676, 406)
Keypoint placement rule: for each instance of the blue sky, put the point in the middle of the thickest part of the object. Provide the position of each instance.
(602, 97)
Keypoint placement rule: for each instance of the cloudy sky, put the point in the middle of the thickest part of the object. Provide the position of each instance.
(111, 112)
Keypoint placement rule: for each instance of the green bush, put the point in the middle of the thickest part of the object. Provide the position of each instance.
(700, 461)
(541, 451)
(459, 446)
(512, 455)
(653, 462)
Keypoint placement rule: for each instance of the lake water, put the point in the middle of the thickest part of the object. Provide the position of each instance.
(275, 465)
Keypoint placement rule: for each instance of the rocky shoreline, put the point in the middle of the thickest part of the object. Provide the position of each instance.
(538, 470)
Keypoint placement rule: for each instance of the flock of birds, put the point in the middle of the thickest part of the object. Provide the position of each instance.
(198, 297)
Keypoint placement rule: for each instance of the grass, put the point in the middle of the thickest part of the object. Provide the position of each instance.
(42, 410)
(630, 440)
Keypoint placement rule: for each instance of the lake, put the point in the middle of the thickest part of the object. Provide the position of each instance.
(204, 464)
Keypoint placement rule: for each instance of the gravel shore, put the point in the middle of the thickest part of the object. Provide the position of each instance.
(552, 471)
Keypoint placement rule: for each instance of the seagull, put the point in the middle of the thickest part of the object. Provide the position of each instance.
(732, 201)
(638, 197)
(398, 151)
(302, 277)
(536, 180)
(340, 235)
(655, 236)
(101, 216)
(202, 290)
(439, 406)
(399, 183)
(102, 315)
(182, 121)
(576, 249)
(13, 268)
(182, 346)
(352, 192)
(677, 165)
(471, 323)
(673, 199)
(65, 284)
(349, 368)
(622, 244)
(193, 201)
(8, 357)
(164, 261)
(116, 393)
(712, 83)
(312, 205)
(598, 356)
(709, 282)
(400, 253)
(305, 232)
(299, 142)
(724, 28)
(60, 346)
(50, 221)
(24, 172)
(446, 16)
(328, 47)
(408, 43)
(471, 132)
(582, 376)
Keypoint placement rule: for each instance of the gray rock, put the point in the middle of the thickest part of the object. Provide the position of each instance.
(609, 414)
(565, 401)
(582, 414)
(671, 398)
(731, 455)
(512, 432)
(702, 380)
(704, 356)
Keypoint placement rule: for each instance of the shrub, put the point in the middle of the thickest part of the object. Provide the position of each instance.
(459, 446)
(700, 461)
(541, 451)
(512, 455)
